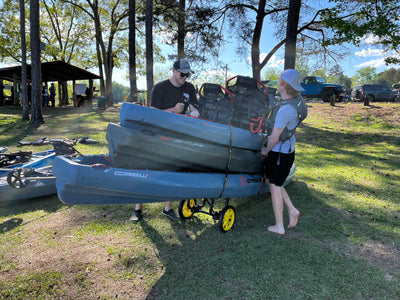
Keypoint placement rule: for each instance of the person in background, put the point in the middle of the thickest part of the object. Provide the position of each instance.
(279, 155)
(52, 95)
(29, 90)
(1, 93)
(45, 95)
(174, 95)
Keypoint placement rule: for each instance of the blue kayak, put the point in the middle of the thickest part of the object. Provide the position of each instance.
(92, 180)
(40, 183)
(36, 160)
(134, 116)
(156, 149)
(149, 138)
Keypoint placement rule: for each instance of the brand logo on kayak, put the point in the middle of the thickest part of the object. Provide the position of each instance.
(245, 181)
(165, 138)
(254, 180)
(131, 174)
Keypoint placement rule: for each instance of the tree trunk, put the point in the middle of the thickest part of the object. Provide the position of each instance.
(149, 49)
(24, 81)
(36, 71)
(108, 69)
(181, 29)
(255, 46)
(63, 96)
(291, 33)
(100, 63)
(332, 100)
(132, 51)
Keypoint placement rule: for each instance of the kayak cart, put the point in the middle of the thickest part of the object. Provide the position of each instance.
(226, 217)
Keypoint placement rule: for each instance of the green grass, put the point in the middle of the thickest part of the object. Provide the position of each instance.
(346, 245)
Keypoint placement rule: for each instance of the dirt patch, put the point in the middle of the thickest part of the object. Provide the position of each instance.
(342, 112)
(87, 268)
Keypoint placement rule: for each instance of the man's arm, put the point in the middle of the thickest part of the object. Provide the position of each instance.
(273, 139)
(176, 109)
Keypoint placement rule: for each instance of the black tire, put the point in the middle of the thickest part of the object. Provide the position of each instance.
(327, 94)
(185, 208)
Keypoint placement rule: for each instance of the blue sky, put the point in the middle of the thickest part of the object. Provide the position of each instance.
(363, 56)
(367, 54)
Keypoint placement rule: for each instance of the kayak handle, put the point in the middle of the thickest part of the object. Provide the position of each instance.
(100, 165)
(258, 129)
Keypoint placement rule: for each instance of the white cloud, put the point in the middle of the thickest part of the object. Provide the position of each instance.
(272, 63)
(370, 39)
(370, 52)
(377, 63)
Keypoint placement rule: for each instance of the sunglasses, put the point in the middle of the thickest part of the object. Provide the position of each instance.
(185, 74)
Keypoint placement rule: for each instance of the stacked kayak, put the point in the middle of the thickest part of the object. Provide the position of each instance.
(93, 180)
(153, 139)
(28, 178)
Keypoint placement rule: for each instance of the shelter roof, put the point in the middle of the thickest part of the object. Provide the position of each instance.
(51, 71)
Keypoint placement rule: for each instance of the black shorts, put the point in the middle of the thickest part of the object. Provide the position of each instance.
(277, 167)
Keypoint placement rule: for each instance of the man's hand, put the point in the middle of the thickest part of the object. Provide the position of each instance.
(178, 108)
(264, 151)
(194, 113)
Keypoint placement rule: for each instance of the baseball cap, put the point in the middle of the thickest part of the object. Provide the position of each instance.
(292, 77)
(182, 66)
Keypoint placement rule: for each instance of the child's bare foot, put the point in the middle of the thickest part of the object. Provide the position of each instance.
(293, 219)
(277, 229)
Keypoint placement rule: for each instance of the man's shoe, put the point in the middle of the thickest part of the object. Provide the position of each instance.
(170, 213)
(136, 216)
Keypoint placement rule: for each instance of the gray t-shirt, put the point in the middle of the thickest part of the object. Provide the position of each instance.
(286, 117)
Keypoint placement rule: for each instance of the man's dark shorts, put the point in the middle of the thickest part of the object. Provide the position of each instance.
(277, 167)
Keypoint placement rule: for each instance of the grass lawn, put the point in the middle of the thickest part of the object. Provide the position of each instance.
(345, 246)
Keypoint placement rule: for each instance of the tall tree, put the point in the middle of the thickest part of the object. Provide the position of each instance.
(181, 28)
(109, 19)
(291, 33)
(24, 81)
(149, 49)
(379, 19)
(132, 51)
(67, 34)
(36, 72)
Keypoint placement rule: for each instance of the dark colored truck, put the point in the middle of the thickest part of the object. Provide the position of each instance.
(315, 87)
(372, 92)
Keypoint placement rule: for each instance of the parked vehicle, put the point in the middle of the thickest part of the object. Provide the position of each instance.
(315, 87)
(372, 92)
(396, 92)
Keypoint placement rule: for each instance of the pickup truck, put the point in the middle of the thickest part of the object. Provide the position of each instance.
(396, 92)
(315, 87)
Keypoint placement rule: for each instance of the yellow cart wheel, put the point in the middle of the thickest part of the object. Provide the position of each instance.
(185, 208)
(227, 218)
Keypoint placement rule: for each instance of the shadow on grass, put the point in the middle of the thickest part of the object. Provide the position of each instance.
(249, 262)
(10, 225)
(317, 259)
(48, 204)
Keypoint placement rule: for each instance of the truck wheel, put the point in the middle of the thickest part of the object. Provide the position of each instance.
(326, 95)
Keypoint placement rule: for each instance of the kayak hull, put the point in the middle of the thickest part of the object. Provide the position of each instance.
(92, 180)
(144, 147)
